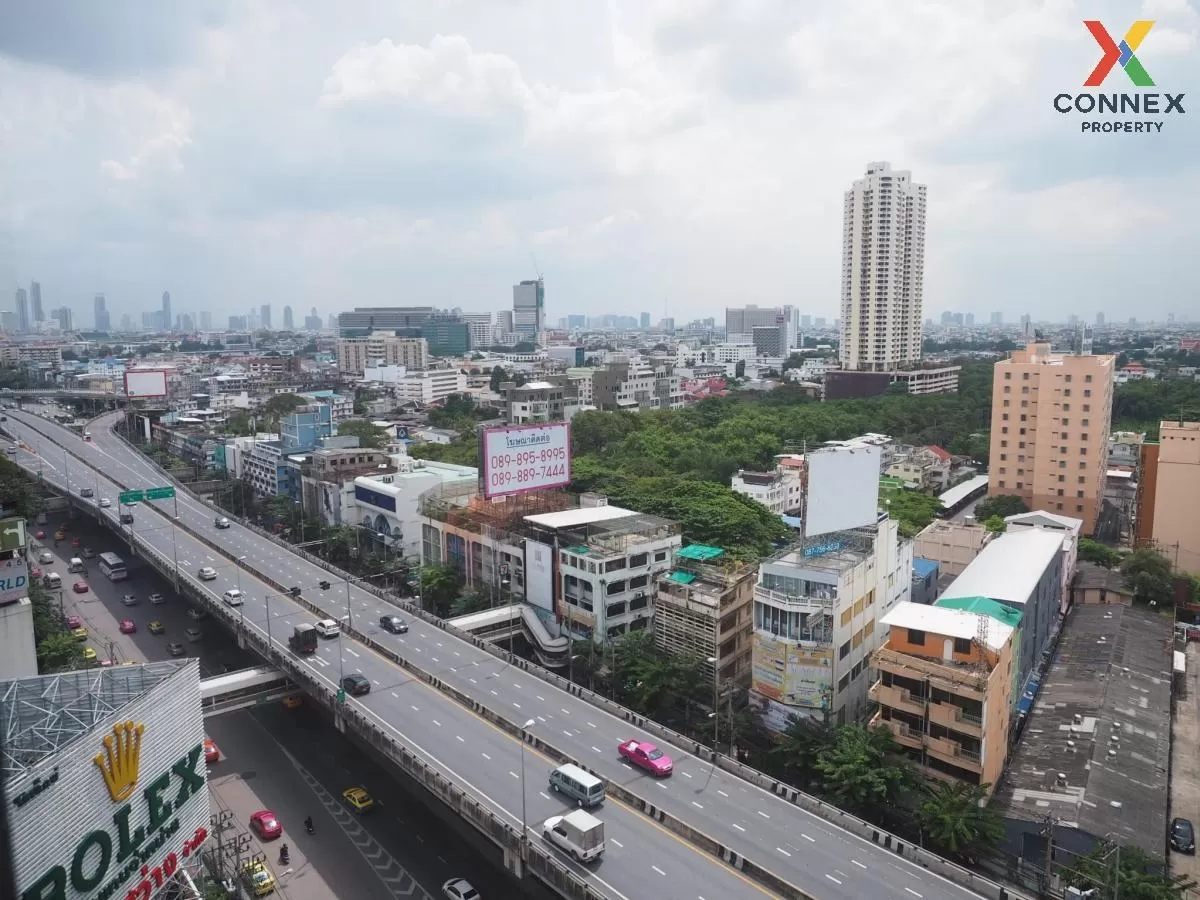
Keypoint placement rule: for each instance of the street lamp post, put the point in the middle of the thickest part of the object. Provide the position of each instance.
(716, 715)
(524, 823)
(270, 643)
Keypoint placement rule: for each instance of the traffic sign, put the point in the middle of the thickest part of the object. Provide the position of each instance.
(127, 498)
(341, 695)
(160, 493)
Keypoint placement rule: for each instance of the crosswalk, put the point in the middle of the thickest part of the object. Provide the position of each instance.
(396, 879)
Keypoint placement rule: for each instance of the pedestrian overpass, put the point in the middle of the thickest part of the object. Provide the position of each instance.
(502, 623)
(255, 686)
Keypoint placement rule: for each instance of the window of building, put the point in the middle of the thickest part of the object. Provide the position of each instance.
(615, 587)
(638, 560)
(1084, 423)
(962, 645)
(1087, 392)
(1020, 471)
(1079, 495)
(1004, 417)
(1087, 379)
(1083, 451)
(1003, 457)
(1001, 482)
(1008, 376)
(1004, 443)
(1004, 429)
(1021, 445)
(1062, 464)
(1083, 437)
(1062, 477)
(1087, 407)
(844, 650)
(1024, 417)
(1007, 389)
(1067, 392)
(1024, 376)
(1024, 404)
(660, 555)
(1066, 422)
(1082, 480)
(843, 683)
(1082, 464)
(1067, 379)
(1058, 506)
(1025, 390)
(1078, 507)
(614, 564)
(1005, 403)
(1060, 492)
(639, 581)
(1020, 485)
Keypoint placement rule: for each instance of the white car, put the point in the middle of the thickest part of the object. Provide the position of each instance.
(327, 628)
(234, 597)
(45, 557)
(105, 503)
(129, 600)
(207, 573)
(459, 889)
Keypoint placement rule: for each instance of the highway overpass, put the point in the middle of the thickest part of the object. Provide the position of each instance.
(448, 709)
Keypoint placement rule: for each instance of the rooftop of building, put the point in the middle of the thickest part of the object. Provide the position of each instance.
(924, 567)
(46, 713)
(1090, 576)
(760, 478)
(960, 492)
(1043, 519)
(1108, 692)
(602, 528)
(1010, 567)
(832, 553)
(983, 606)
(949, 622)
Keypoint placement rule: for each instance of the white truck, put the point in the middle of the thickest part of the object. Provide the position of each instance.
(578, 833)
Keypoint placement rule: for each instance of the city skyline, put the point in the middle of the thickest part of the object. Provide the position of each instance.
(641, 157)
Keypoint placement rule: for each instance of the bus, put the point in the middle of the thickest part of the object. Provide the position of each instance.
(248, 687)
(113, 567)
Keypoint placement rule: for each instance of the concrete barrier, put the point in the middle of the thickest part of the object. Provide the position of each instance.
(807, 802)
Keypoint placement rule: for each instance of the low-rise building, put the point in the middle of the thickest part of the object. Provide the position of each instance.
(1066, 526)
(921, 468)
(634, 385)
(945, 690)
(431, 386)
(1094, 754)
(1096, 584)
(781, 491)
(1023, 571)
(546, 400)
(704, 607)
(952, 545)
(816, 612)
(388, 503)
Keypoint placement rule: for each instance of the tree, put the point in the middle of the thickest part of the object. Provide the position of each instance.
(470, 602)
(58, 652)
(912, 509)
(1002, 505)
(1149, 574)
(498, 376)
(1139, 876)
(956, 821)
(995, 524)
(1098, 553)
(440, 585)
(370, 436)
(862, 771)
(797, 755)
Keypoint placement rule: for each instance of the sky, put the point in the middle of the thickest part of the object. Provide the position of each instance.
(668, 156)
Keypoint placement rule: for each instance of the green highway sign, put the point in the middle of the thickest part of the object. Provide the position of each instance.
(341, 695)
(162, 493)
(127, 498)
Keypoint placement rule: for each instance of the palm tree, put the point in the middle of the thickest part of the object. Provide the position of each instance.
(955, 820)
(862, 770)
(439, 588)
(796, 756)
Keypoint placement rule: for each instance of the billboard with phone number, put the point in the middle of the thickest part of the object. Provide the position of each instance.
(525, 458)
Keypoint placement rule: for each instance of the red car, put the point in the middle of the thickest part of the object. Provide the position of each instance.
(265, 825)
(35, 572)
(80, 587)
(74, 542)
(74, 622)
(127, 626)
(39, 535)
(212, 754)
(646, 756)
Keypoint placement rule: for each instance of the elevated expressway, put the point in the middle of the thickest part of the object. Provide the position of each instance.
(449, 710)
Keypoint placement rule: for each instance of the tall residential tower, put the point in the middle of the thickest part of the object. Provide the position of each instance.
(883, 270)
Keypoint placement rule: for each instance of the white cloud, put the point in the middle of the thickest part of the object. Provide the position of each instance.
(693, 149)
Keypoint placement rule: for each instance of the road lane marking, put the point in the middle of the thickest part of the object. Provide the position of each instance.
(436, 722)
(763, 814)
(517, 705)
(597, 749)
(835, 880)
(722, 793)
(784, 852)
(697, 805)
(857, 863)
(807, 838)
(515, 775)
(460, 738)
(659, 871)
(542, 699)
(615, 842)
(686, 774)
(485, 756)
(738, 827)
(911, 891)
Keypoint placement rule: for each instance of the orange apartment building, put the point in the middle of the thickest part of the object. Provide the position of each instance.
(945, 690)
(1051, 414)
(1170, 495)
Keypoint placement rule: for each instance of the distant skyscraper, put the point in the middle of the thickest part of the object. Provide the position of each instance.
(186, 324)
(645, 321)
(100, 308)
(264, 316)
(167, 319)
(806, 321)
(288, 324)
(883, 270)
(529, 307)
(969, 319)
(66, 319)
(740, 323)
(1099, 318)
(206, 321)
(35, 302)
(997, 318)
(22, 310)
(126, 323)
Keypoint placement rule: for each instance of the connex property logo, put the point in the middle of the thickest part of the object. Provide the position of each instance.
(1113, 113)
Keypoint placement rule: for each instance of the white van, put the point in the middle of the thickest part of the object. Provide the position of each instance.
(582, 787)
(327, 628)
(52, 580)
(75, 565)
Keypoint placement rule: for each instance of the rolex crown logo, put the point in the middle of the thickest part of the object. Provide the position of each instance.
(120, 760)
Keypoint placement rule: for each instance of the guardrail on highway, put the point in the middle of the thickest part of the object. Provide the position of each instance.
(807, 802)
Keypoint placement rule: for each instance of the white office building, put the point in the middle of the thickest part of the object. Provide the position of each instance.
(883, 270)
(431, 386)
(817, 608)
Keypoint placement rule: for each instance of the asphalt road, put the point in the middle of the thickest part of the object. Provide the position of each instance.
(290, 761)
(643, 859)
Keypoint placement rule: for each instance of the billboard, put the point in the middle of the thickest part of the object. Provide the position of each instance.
(124, 804)
(143, 383)
(14, 579)
(791, 674)
(843, 489)
(539, 575)
(525, 458)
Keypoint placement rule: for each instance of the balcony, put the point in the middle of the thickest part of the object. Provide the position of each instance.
(953, 716)
(954, 753)
(896, 698)
(792, 603)
(904, 734)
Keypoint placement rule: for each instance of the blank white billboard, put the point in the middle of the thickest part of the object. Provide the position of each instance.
(843, 489)
(539, 575)
(139, 385)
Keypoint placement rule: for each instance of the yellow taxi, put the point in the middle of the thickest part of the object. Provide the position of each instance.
(292, 702)
(156, 627)
(359, 799)
(60, 535)
(89, 655)
(80, 633)
(258, 878)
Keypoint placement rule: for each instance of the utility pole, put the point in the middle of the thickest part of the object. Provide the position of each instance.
(1048, 834)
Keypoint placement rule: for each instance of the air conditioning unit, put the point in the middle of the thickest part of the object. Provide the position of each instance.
(640, 595)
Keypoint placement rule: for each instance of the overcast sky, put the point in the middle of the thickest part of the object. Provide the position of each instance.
(671, 156)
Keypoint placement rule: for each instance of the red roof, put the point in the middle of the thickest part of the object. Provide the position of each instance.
(937, 451)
